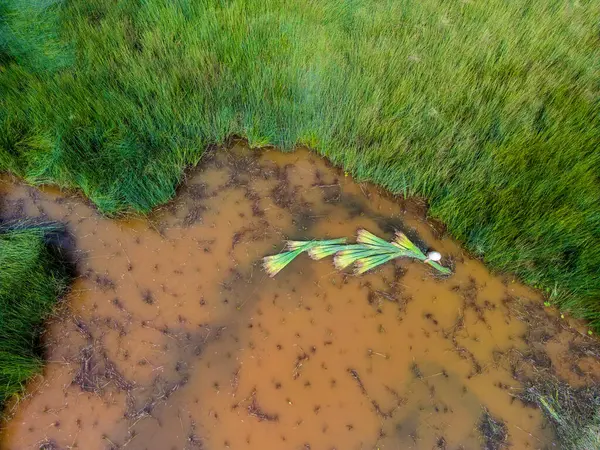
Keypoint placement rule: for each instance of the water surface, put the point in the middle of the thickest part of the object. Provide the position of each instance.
(175, 338)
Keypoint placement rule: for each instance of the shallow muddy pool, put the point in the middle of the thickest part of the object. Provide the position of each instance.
(174, 337)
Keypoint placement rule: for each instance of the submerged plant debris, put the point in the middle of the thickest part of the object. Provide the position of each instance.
(494, 432)
(573, 412)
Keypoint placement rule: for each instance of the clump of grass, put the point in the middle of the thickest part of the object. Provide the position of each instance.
(573, 412)
(488, 109)
(493, 431)
(33, 274)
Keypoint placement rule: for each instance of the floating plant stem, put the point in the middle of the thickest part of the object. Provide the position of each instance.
(275, 263)
(307, 245)
(356, 252)
(439, 267)
(403, 242)
(322, 251)
(365, 264)
(366, 237)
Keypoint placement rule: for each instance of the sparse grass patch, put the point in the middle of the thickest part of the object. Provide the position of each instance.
(33, 274)
(493, 431)
(573, 412)
(488, 109)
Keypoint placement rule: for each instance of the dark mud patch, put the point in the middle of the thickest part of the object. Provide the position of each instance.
(393, 293)
(254, 198)
(198, 191)
(193, 440)
(256, 232)
(332, 193)
(104, 282)
(12, 210)
(554, 381)
(285, 194)
(96, 371)
(148, 297)
(249, 165)
(578, 364)
(49, 445)
(194, 215)
(255, 410)
(584, 347)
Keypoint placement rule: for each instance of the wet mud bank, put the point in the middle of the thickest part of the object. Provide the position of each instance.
(173, 337)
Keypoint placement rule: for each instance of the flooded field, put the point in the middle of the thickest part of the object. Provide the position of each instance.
(174, 337)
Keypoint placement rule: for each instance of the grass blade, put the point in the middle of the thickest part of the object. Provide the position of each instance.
(365, 264)
(439, 268)
(275, 263)
(366, 237)
(403, 242)
(322, 251)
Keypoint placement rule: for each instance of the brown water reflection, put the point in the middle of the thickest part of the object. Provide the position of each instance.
(174, 337)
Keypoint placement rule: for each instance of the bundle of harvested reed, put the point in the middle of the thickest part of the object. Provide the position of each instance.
(369, 252)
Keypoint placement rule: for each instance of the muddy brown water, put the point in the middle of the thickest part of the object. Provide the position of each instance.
(173, 337)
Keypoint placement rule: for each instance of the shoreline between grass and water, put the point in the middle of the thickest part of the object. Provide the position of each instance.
(489, 111)
(567, 413)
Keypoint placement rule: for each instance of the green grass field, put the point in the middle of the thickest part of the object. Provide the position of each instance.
(489, 109)
(33, 275)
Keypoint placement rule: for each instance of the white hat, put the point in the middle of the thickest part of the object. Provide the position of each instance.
(433, 256)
